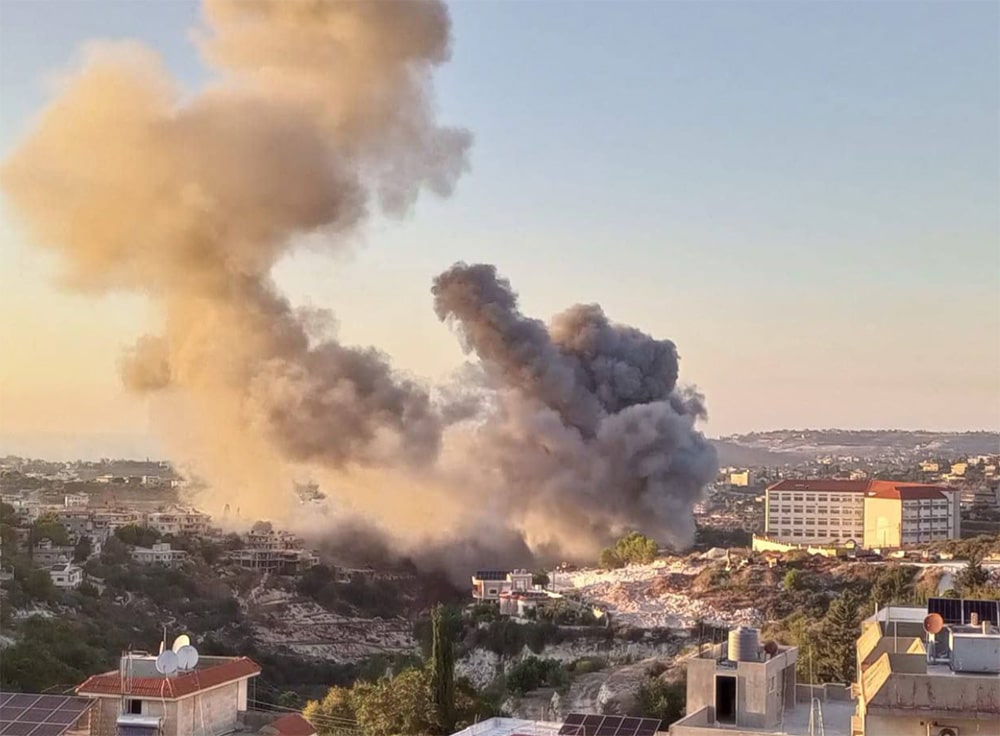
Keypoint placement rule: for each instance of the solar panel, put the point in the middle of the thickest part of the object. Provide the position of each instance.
(950, 609)
(987, 610)
(491, 574)
(959, 611)
(578, 724)
(27, 714)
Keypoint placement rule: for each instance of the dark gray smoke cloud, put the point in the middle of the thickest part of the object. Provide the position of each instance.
(591, 434)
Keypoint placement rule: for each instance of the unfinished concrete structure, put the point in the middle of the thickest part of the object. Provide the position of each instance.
(741, 688)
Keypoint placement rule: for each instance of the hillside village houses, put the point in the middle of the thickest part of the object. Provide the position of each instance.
(159, 554)
(66, 575)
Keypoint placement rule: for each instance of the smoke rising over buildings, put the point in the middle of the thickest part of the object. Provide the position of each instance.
(318, 114)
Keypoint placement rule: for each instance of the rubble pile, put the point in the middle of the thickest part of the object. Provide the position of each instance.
(649, 597)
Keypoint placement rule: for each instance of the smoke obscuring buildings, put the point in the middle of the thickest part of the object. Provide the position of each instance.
(318, 115)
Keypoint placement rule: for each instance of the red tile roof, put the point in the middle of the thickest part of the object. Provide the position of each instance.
(905, 491)
(873, 488)
(172, 688)
(821, 484)
(291, 725)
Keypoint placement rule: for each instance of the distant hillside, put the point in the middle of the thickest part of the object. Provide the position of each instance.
(789, 446)
(731, 453)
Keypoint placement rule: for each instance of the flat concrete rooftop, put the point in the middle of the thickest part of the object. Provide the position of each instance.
(836, 722)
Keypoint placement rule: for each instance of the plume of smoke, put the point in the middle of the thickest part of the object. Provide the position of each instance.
(318, 108)
(591, 435)
(320, 112)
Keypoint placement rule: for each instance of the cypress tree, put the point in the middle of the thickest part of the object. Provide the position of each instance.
(442, 673)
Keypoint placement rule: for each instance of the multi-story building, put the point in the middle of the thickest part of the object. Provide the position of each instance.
(75, 500)
(489, 585)
(815, 511)
(904, 514)
(872, 513)
(177, 520)
(928, 679)
(160, 553)
(46, 554)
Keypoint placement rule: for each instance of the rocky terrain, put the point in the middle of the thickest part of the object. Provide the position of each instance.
(284, 621)
(654, 596)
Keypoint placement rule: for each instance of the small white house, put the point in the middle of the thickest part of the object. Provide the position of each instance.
(66, 575)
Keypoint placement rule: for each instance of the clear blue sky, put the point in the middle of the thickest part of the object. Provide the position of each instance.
(803, 195)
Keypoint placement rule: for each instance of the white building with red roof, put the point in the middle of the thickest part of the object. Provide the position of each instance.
(137, 700)
(869, 513)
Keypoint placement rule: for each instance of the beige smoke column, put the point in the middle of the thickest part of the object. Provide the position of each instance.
(316, 108)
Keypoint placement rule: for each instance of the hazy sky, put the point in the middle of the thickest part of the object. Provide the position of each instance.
(803, 196)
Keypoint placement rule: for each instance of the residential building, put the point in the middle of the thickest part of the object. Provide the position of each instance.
(868, 513)
(280, 561)
(739, 688)
(942, 679)
(488, 585)
(160, 553)
(66, 575)
(929, 466)
(46, 554)
(177, 520)
(45, 715)
(76, 500)
(959, 468)
(739, 478)
(980, 496)
(210, 699)
(103, 523)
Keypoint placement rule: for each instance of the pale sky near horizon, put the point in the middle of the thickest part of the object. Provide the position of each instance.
(805, 197)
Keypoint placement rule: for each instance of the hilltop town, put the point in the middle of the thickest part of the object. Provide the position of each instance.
(98, 557)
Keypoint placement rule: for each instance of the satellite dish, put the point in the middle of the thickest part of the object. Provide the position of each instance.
(181, 641)
(933, 623)
(187, 657)
(166, 663)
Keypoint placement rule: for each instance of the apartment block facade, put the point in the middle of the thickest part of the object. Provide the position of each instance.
(868, 513)
(816, 511)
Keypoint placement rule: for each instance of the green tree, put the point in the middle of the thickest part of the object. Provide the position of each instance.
(636, 548)
(334, 714)
(137, 536)
(442, 676)
(661, 699)
(792, 580)
(398, 705)
(47, 527)
(893, 584)
(973, 576)
(835, 645)
(609, 559)
(82, 550)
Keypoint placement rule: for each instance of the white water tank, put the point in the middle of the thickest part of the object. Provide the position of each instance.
(744, 644)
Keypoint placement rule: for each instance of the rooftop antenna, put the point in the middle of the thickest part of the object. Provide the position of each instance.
(166, 663)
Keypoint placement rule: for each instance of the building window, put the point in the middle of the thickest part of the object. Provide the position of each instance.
(134, 707)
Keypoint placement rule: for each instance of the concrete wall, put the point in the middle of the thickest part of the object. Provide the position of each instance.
(701, 686)
(207, 713)
(883, 522)
(916, 725)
